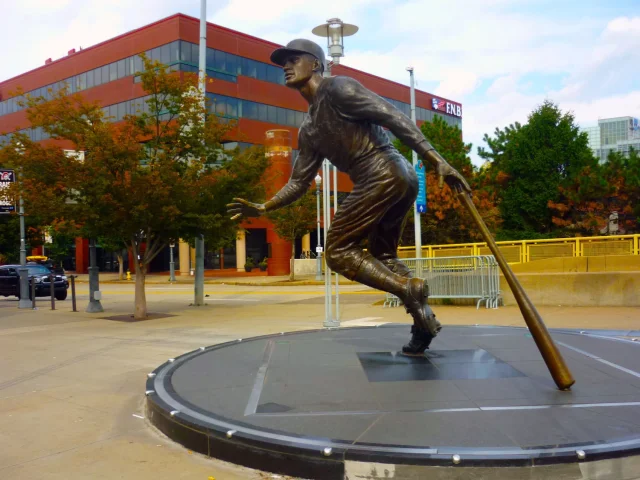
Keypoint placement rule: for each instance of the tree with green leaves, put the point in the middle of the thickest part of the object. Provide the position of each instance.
(530, 164)
(294, 221)
(446, 220)
(158, 175)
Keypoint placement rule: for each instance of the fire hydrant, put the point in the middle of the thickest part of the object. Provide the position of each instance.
(128, 275)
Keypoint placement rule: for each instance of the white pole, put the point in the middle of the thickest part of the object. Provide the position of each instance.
(319, 244)
(414, 157)
(202, 83)
(327, 271)
(335, 209)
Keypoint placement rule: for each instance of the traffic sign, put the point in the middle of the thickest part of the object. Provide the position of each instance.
(7, 177)
(421, 201)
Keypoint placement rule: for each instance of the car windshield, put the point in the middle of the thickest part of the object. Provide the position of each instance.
(38, 270)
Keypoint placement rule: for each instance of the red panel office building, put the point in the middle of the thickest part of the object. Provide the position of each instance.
(247, 87)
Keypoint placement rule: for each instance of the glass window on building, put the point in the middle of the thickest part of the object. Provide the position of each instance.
(138, 64)
(220, 107)
(210, 58)
(195, 54)
(97, 77)
(232, 64)
(104, 74)
(252, 68)
(232, 107)
(300, 118)
(273, 74)
(272, 114)
(122, 110)
(249, 109)
(220, 60)
(185, 51)
(154, 54)
(261, 69)
(121, 67)
(165, 54)
(83, 81)
(263, 113)
(113, 72)
(291, 118)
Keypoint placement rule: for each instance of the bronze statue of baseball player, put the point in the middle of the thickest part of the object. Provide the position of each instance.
(345, 125)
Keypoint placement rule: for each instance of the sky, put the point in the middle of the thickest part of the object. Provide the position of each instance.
(499, 58)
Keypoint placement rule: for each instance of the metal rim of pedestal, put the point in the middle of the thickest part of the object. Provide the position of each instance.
(315, 457)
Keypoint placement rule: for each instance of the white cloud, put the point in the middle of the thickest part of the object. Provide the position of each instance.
(503, 85)
(456, 83)
(623, 25)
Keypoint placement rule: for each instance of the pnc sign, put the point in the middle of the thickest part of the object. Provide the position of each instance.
(447, 107)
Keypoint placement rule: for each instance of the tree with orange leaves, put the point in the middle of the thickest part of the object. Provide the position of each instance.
(585, 205)
(156, 175)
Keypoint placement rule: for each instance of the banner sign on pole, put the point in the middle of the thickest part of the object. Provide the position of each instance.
(7, 177)
(421, 201)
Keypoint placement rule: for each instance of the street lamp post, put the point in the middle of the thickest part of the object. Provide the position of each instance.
(23, 271)
(334, 30)
(319, 247)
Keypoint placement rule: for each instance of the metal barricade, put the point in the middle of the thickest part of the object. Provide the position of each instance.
(390, 300)
(475, 277)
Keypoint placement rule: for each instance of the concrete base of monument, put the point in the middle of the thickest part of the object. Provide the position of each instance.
(344, 403)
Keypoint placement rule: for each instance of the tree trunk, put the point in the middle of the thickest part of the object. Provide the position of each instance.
(140, 312)
(292, 273)
(120, 266)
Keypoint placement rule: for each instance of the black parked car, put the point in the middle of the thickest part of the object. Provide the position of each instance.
(10, 281)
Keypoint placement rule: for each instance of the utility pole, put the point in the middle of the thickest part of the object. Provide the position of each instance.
(202, 77)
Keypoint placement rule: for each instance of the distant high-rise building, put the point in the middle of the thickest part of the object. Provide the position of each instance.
(617, 134)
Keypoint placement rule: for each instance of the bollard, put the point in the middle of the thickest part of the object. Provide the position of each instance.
(33, 294)
(52, 290)
(73, 292)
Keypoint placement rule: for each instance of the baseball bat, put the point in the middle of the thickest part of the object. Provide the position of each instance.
(550, 353)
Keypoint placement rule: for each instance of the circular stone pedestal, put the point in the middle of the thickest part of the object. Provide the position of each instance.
(344, 403)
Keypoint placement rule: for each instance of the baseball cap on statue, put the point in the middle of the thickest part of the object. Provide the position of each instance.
(299, 45)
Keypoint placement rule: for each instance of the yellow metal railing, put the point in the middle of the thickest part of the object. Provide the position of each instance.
(523, 251)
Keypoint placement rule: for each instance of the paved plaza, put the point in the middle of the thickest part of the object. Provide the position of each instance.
(72, 384)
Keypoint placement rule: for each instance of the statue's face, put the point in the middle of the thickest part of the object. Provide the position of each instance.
(298, 69)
